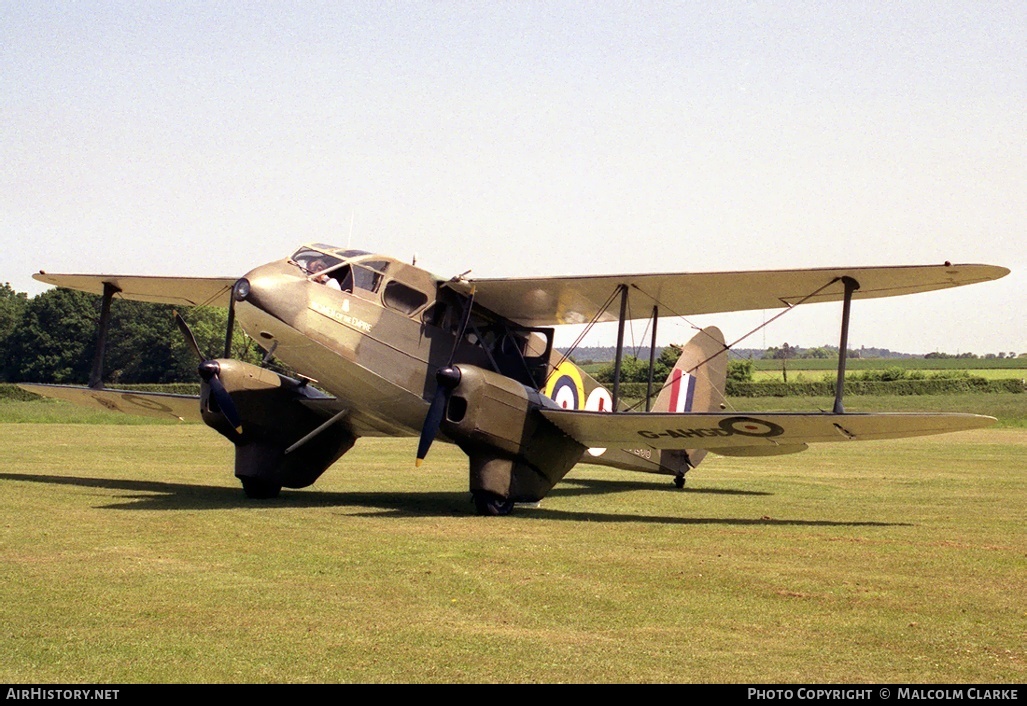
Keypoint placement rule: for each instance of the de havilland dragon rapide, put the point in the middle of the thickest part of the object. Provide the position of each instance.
(379, 347)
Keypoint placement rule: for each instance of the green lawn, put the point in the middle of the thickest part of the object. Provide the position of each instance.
(127, 554)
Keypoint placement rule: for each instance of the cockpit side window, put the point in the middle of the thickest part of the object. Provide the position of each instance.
(311, 261)
(403, 298)
(368, 275)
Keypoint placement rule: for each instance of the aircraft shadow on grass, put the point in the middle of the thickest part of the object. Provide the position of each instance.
(161, 496)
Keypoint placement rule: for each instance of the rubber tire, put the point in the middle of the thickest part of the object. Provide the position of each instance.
(491, 505)
(260, 489)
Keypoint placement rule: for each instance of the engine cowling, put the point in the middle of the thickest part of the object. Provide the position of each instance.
(514, 452)
(274, 416)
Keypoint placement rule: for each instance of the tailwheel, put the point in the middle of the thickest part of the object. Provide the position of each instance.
(491, 504)
(260, 489)
(679, 480)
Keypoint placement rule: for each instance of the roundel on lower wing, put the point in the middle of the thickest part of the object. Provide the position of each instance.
(565, 386)
(146, 403)
(599, 400)
(748, 426)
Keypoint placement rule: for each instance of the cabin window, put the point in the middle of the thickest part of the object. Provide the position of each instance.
(403, 298)
(368, 275)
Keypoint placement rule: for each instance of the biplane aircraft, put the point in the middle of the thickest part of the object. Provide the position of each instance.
(383, 348)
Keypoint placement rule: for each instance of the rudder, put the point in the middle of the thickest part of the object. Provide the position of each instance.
(696, 384)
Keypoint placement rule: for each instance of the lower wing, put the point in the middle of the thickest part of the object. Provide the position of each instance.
(756, 434)
(147, 404)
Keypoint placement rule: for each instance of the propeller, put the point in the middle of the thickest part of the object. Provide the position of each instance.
(210, 371)
(447, 378)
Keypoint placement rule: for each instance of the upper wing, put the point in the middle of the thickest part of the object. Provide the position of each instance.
(715, 431)
(545, 301)
(181, 291)
(147, 404)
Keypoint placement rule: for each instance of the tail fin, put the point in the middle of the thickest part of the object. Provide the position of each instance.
(696, 384)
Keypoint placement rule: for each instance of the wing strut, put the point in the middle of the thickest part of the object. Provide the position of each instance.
(620, 344)
(652, 360)
(230, 329)
(851, 286)
(96, 374)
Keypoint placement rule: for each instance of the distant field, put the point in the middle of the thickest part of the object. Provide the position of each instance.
(794, 373)
(973, 364)
(128, 554)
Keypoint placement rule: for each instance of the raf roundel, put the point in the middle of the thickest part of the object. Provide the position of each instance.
(565, 386)
(749, 426)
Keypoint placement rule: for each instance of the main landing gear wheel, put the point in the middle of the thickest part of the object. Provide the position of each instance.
(679, 481)
(490, 504)
(260, 489)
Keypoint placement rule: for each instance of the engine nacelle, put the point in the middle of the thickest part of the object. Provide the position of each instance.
(514, 452)
(273, 418)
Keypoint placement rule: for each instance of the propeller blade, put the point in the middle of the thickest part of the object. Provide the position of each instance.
(225, 402)
(189, 337)
(447, 378)
(209, 370)
(432, 421)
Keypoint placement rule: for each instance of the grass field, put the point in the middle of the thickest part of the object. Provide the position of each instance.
(129, 554)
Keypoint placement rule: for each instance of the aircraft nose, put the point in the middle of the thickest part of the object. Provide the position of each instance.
(241, 290)
(271, 291)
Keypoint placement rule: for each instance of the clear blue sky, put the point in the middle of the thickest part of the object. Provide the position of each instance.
(530, 138)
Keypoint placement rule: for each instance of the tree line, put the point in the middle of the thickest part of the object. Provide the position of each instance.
(51, 338)
(634, 369)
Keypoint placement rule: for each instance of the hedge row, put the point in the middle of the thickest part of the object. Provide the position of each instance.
(942, 386)
(774, 388)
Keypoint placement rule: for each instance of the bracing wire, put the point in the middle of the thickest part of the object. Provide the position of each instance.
(727, 346)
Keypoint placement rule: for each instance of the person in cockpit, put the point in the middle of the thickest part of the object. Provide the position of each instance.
(317, 266)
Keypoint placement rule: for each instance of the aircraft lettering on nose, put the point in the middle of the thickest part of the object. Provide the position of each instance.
(383, 348)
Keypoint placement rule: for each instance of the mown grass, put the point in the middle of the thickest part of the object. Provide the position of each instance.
(128, 554)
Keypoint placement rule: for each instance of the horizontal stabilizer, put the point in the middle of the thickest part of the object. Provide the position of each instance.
(146, 404)
(180, 291)
(715, 431)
